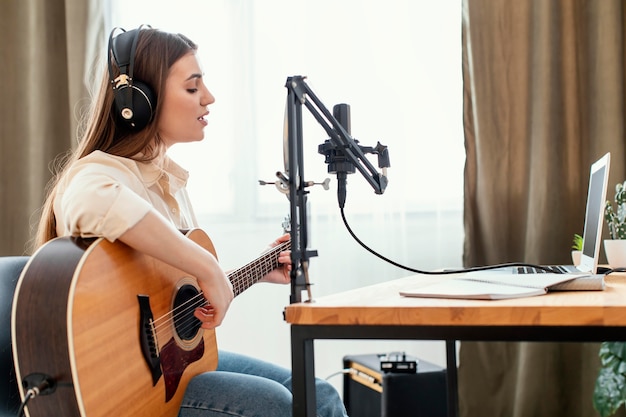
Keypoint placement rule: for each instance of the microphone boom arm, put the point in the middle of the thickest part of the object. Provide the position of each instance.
(341, 146)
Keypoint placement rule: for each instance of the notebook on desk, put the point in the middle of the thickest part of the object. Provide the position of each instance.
(496, 286)
(592, 232)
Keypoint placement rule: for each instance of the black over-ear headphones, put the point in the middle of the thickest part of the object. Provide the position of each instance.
(134, 101)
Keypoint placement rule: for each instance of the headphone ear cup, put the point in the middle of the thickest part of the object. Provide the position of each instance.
(134, 107)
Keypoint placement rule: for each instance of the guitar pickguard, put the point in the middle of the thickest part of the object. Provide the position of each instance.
(174, 361)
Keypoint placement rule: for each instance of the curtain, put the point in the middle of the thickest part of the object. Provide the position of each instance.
(43, 55)
(543, 99)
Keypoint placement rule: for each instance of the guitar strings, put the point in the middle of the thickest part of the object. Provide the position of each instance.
(184, 309)
(189, 321)
(241, 280)
(172, 314)
(187, 308)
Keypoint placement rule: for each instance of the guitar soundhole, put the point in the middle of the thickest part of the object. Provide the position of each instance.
(186, 301)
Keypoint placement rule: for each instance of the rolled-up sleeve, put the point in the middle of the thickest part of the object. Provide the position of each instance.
(96, 200)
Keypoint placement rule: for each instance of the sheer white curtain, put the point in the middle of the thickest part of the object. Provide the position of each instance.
(398, 64)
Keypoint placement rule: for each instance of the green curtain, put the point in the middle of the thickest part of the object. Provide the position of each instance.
(543, 98)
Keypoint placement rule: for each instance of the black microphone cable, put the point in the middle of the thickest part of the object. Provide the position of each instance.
(443, 272)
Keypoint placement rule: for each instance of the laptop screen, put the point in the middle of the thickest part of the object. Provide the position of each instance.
(594, 216)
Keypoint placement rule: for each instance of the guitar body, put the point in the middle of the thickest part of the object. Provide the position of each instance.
(99, 319)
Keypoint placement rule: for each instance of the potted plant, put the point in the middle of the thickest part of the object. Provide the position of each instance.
(615, 247)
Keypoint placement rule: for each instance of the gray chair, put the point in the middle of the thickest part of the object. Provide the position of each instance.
(10, 269)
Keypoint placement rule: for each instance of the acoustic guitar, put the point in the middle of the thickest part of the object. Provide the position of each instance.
(114, 328)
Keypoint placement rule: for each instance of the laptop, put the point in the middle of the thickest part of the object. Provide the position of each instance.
(592, 232)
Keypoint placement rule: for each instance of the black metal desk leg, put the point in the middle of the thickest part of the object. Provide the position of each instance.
(302, 373)
(451, 379)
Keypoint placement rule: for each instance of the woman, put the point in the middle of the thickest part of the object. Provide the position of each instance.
(121, 185)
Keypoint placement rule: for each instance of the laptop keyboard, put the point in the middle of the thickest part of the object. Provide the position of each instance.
(556, 269)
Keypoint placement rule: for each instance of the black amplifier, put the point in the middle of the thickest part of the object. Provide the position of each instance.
(393, 385)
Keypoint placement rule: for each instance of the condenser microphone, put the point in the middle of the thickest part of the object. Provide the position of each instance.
(341, 112)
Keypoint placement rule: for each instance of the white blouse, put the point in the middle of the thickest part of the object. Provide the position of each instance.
(103, 195)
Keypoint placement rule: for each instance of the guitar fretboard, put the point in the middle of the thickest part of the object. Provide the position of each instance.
(242, 278)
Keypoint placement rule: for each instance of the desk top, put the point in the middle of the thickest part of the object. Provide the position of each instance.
(381, 304)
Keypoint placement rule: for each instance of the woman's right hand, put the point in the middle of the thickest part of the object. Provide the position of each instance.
(218, 291)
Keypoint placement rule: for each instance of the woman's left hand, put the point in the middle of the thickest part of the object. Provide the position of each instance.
(280, 275)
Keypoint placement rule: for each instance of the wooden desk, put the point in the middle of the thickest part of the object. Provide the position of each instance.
(379, 312)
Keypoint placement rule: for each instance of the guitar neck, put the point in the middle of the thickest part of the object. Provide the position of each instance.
(242, 278)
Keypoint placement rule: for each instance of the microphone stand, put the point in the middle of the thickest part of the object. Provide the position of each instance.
(343, 154)
(300, 255)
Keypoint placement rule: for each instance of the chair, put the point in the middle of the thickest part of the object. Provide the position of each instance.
(10, 269)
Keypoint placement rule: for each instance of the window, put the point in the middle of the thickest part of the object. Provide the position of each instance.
(397, 64)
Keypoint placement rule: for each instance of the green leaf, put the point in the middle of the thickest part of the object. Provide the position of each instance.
(608, 394)
(577, 243)
(610, 389)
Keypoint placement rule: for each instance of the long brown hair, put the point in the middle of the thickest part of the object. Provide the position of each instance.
(156, 52)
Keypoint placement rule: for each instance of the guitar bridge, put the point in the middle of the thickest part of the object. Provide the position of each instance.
(148, 339)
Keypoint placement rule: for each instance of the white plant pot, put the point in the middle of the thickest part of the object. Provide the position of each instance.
(576, 256)
(615, 250)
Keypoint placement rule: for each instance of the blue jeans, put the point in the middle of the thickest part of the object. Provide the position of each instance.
(246, 387)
